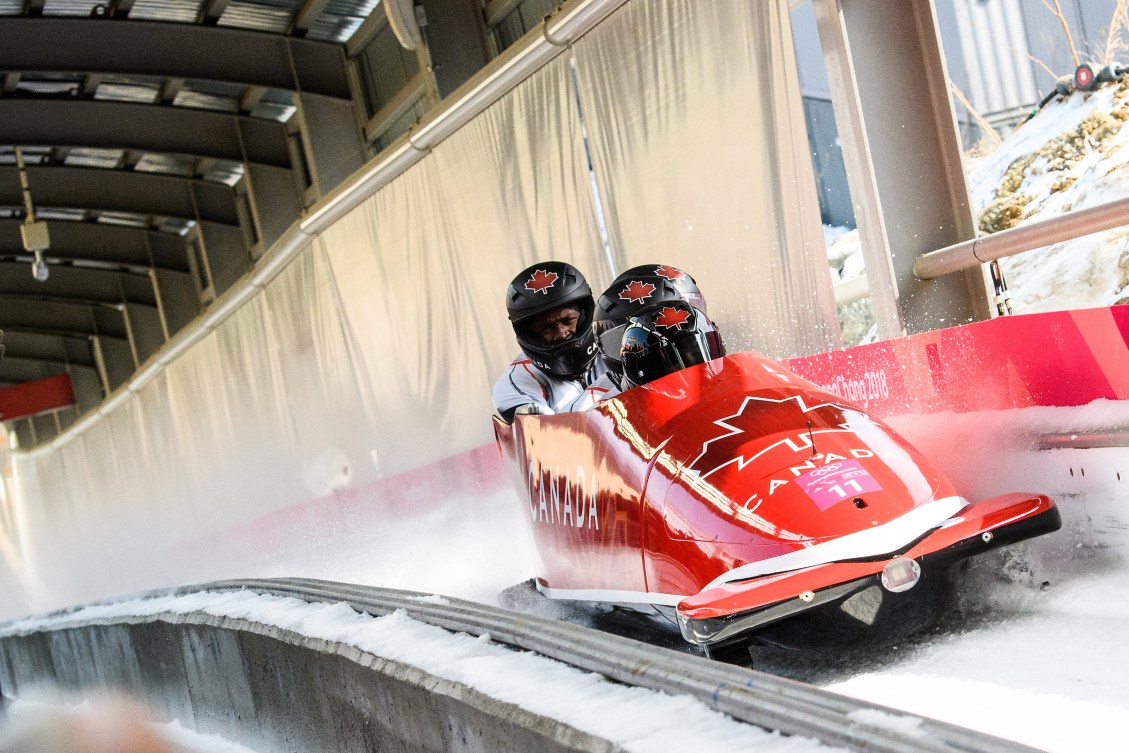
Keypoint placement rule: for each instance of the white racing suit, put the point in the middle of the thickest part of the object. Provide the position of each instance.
(525, 384)
(595, 393)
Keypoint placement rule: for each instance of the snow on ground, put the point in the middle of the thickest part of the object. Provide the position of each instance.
(1048, 673)
(1034, 650)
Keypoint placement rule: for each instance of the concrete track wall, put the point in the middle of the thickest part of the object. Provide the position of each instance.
(274, 690)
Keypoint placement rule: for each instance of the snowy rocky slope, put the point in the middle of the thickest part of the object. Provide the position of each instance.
(1073, 154)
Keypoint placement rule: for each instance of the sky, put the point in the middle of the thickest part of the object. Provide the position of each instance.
(1033, 648)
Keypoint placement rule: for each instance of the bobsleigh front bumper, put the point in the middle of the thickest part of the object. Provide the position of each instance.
(724, 612)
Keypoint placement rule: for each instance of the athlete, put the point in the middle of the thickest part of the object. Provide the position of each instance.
(633, 293)
(550, 306)
(667, 339)
(631, 303)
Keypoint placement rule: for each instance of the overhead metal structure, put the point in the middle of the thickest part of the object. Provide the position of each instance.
(117, 190)
(98, 124)
(174, 51)
(167, 146)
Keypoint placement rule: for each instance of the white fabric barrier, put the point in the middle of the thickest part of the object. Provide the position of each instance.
(422, 266)
(701, 153)
(371, 356)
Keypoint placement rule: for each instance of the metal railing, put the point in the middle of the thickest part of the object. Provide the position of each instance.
(988, 248)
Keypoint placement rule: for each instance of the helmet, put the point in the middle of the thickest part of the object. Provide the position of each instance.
(542, 288)
(681, 280)
(631, 295)
(667, 340)
(628, 296)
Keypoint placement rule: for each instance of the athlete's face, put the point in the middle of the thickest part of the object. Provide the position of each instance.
(556, 325)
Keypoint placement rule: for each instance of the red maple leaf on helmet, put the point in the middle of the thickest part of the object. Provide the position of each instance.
(636, 291)
(540, 281)
(671, 318)
(669, 272)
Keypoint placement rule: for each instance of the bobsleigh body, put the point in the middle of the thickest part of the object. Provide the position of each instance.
(752, 503)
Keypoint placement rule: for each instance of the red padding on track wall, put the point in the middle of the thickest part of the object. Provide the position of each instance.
(33, 398)
(1061, 358)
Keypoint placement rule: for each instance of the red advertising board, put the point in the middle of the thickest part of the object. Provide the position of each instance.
(1061, 358)
(33, 398)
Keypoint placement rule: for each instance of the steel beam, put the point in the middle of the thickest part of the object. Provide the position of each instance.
(52, 348)
(211, 11)
(18, 371)
(495, 10)
(121, 191)
(88, 286)
(149, 128)
(903, 157)
(61, 317)
(90, 84)
(252, 96)
(169, 89)
(111, 244)
(120, 8)
(171, 50)
(365, 33)
(306, 16)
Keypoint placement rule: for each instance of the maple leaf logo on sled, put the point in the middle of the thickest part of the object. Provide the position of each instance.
(669, 272)
(540, 281)
(671, 318)
(755, 415)
(636, 291)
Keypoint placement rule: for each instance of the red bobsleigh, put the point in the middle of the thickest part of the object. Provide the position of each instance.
(758, 507)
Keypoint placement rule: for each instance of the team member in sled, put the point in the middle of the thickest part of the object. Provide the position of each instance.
(556, 322)
(653, 318)
(551, 308)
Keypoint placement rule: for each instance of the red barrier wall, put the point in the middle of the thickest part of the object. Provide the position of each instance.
(33, 398)
(1060, 358)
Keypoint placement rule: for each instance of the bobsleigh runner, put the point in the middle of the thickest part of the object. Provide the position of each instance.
(753, 506)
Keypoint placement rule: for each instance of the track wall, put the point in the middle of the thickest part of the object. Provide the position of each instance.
(273, 690)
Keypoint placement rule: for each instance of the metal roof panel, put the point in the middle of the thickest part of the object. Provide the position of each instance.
(182, 11)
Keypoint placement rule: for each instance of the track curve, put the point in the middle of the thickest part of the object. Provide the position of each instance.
(754, 697)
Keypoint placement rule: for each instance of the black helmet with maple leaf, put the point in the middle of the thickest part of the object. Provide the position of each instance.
(628, 296)
(631, 295)
(665, 340)
(542, 288)
(680, 279)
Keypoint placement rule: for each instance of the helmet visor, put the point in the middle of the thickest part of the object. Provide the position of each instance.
(610, 342)
(648, 356)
